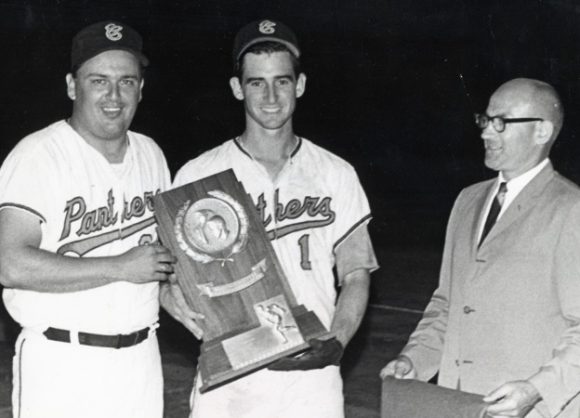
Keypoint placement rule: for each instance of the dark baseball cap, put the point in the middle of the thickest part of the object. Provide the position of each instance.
(261, 31)
(104, 36)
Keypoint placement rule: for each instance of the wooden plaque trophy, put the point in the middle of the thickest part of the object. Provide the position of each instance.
(228, 270)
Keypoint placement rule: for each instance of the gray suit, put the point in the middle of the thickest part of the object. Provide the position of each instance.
(510, 309)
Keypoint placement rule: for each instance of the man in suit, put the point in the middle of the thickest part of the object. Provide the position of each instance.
(505, 318)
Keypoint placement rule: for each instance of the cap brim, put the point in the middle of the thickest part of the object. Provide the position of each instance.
(143, 60)
(289, 45)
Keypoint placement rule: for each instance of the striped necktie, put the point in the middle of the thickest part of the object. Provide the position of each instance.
(494, 211)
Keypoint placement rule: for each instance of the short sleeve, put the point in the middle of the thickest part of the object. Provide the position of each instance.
(356, 252)
(23, 180)
(352, 208)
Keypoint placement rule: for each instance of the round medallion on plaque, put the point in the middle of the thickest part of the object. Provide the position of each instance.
(211, 225)
(212, 228)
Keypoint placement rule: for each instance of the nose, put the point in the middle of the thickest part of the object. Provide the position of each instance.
(271, 93)
(488, 131)
(114, 91)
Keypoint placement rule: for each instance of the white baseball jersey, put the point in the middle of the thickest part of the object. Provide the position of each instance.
(86, 208)
(313, 206)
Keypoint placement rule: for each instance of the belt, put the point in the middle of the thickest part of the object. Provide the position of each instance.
(98, 340)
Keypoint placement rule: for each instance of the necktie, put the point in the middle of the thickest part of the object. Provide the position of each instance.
(494, 210)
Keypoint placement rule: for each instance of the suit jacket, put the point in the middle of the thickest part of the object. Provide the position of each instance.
(510, 309)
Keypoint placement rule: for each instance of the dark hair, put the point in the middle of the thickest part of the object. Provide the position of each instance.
(266, 47)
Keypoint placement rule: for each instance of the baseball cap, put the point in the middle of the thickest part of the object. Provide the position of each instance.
(104, 36)
(264, 30)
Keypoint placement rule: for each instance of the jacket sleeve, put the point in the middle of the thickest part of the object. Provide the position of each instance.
(558, 380)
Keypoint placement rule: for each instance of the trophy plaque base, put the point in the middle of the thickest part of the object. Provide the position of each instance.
(223, 361)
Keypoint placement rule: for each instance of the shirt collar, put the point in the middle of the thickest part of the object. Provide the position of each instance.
(516, 185)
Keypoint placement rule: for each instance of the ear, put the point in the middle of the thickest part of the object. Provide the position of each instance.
(544, 131)
(71, 86)
(141, 89)
(301, 85)
(236, 88)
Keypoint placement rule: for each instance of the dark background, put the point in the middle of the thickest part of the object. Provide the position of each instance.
(392, 87)
(392, 84)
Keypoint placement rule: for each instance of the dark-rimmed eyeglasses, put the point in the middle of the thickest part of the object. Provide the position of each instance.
(499, 123)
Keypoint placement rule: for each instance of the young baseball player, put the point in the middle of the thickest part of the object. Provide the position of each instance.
(313, 207)
(78, 254)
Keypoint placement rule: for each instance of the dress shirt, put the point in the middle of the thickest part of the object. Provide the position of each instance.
(514, 187)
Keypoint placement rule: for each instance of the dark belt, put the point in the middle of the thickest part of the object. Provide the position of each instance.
(99, 340)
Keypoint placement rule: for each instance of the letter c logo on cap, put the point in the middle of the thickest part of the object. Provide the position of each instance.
(267, 27)
(113, 32)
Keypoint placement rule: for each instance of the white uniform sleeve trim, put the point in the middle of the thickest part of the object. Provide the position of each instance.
(363, 221)
(9, 205)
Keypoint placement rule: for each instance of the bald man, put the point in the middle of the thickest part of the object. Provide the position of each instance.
(505, 319)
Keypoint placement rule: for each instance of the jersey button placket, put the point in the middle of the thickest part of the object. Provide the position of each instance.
(275, 222)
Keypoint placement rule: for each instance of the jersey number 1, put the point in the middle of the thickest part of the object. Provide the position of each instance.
(304, 244)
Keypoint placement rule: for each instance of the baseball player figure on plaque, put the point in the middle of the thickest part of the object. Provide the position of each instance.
(228, 271)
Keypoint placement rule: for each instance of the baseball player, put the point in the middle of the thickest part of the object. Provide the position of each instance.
(78, 253)
(315, 213)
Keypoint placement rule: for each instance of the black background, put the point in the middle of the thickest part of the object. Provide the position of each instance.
(392, 85)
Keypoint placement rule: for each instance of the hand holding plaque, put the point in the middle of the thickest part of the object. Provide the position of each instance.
(322, 353)
(229, 272)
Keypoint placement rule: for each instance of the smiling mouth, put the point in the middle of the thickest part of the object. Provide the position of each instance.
(271, 109)
(492, 146)
(493, 152)
(112, 111)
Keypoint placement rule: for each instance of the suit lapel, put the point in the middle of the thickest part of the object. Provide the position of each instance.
(524, 201)
(480, 204)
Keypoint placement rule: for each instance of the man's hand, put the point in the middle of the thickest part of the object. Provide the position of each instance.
(145, 263)
(173, 301)
(400, 368)
(323, 353)
(513, 399)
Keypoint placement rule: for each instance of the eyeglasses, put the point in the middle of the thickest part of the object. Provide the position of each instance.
(499, 123)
